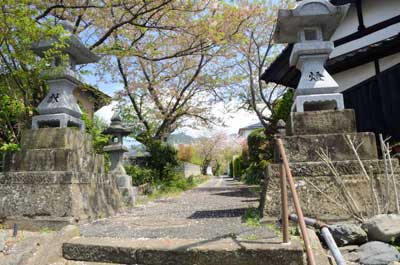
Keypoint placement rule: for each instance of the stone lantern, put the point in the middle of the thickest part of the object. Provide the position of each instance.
(310, 25)
(116, 149)
(59, 108)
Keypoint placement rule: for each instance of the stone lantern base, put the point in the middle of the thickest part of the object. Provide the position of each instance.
(61, 120)
(60, 108)
(319, 102)
(56, 179)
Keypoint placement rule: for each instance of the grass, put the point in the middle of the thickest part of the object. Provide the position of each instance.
(45, 230)
(255, 189)
(251, 237)
(251, 217)
(174, 188)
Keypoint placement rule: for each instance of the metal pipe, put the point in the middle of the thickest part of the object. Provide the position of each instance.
(326, 234)
(296, 201)
(15, 230)
(284, 201)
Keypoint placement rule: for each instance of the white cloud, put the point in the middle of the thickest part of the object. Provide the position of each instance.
(232, 118)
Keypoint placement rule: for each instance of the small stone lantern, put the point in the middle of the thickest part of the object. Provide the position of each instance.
(116, 149)
(60, 108)
(116, 146)
(310, 25)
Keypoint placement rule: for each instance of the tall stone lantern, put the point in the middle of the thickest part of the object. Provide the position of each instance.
(116, 149)
(59, 108)
(310, 26)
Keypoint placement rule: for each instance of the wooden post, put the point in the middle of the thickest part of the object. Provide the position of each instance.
(296, 201)
(284, 201)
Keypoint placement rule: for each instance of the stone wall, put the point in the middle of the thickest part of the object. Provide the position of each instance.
(308, 135)
(190, 169)
(319, 194)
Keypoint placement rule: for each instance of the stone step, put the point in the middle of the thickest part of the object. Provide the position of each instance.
(56, 159)
(226, 251)
(45, 138)
(79, 196)
(52, 178)
(305, 148)
(318, 169)
(322, 122)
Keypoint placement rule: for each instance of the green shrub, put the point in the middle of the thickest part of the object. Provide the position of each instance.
(163, 160)
(251, 217)
(260, 146)
(238, 166)
(95, 128)
(231, 169)
(283, 106)
(140, 175)
(9, 147)
(255, 172)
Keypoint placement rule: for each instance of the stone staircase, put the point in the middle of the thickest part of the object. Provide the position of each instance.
(225, 251)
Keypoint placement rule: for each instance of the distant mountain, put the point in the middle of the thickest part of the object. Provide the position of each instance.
(181, 138)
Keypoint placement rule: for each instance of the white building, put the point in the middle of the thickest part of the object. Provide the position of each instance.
(365, 64)
(245, 131)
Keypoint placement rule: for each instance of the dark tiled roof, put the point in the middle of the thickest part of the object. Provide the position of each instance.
(281, 73)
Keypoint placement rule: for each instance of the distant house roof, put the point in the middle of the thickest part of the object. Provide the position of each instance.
(280, 72)
(254, 126)
(100, 99)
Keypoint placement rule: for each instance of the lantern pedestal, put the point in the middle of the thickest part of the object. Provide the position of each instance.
(116, 149)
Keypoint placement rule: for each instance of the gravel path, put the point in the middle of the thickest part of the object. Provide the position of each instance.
(213, 210)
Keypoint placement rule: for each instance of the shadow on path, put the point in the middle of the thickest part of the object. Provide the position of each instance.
(218, 213)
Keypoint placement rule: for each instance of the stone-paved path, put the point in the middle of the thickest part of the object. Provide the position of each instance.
(212, 211)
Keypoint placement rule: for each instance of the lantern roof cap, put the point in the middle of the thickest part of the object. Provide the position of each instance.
(308, 14)
(116, 126)
(74, 46)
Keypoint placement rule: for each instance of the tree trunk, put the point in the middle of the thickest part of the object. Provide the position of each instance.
(204, 166)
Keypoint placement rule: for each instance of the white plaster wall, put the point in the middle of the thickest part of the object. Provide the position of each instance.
(246, 133)
(349, 24)
(374, 11)
(354, 76)
(390, 61)
(190, 169)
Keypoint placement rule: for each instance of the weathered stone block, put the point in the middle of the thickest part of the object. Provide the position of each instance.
(54, 160)
(319, 193)
(316, 169)
(56, 175)
(183, 252)
(348, 234)
(320, 196)
(377, 253)
(322, 122)
(383, 227)
(55, 149)
(46, 138)
(305, 148)
(80, 196)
